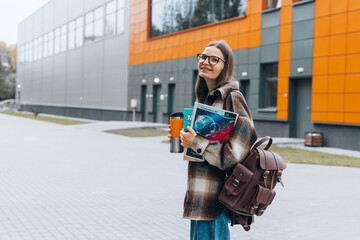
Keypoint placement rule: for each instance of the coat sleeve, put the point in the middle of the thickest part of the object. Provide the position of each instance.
(226, 155)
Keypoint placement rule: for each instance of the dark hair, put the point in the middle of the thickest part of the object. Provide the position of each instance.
(225, 75)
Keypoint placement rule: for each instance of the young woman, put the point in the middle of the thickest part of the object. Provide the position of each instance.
(216, 87)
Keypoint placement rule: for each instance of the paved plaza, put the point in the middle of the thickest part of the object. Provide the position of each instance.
(77, 182)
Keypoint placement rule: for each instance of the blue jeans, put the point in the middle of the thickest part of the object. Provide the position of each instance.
(217, 229)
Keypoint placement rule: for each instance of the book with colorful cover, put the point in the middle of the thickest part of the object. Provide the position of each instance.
(210, 123)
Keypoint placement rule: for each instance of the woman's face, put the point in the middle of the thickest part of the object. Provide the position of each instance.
(211, 72)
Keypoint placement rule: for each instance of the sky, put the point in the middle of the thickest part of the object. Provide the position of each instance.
(12, 12)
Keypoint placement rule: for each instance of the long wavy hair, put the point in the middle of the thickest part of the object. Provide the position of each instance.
(225, 76)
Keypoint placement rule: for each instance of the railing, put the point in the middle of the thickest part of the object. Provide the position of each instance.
(9, 105)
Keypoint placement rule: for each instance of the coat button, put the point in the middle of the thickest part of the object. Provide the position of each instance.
(199, 150)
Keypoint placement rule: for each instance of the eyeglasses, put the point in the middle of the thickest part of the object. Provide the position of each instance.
(213, 60)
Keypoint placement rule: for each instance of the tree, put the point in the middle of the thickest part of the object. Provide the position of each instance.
(7, 71)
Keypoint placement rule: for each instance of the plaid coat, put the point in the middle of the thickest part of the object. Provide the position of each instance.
(205, 179)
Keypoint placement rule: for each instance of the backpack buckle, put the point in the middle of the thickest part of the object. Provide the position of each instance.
(266, 174)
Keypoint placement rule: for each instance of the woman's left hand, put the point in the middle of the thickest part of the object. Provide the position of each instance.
(187, 137)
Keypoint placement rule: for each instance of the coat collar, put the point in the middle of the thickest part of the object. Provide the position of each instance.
(225, 89)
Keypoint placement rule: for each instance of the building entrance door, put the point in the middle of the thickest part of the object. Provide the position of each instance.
(300, 102)
(156, 103)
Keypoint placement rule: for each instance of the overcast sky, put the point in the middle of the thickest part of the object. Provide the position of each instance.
(12, 12)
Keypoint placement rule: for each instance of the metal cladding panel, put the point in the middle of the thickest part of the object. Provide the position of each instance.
(305, 64)
(91, 4)
(58, 84)
(303, 30)
(270, 36)
(48, 79)
(269, 53)
(74, 79)
(115, 82)
(270, 19)
(75, 9)
(48, 16)
(303, 12)
(61, 12)
(302, 49)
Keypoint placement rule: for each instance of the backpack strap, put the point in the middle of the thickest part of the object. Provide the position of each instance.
(261, 141)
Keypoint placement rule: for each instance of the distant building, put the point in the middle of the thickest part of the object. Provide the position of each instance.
(296, 61)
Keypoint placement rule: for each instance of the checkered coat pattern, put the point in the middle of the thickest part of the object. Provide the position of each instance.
(205, 179)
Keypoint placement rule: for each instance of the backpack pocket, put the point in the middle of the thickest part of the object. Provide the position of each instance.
(263, 199)
(237, 181)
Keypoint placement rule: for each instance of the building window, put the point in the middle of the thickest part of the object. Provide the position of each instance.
(22, 54)
(269, 78)
(63, 38)
(168, 16)
(120, 16)
(98, 23)
(51, 43)
(36, 45)
(273, 4)
(89, 27)
(40, 47)
(57, 41)
(71, 39)
(79, 38)
(110, 27)
(46, 45)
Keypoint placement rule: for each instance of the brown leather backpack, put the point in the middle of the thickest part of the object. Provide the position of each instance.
(249, 189)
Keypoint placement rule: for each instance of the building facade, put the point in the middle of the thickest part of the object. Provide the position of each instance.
(296, 61)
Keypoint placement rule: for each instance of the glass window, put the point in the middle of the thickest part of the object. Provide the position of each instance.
(120, 16)
(79, 32)
(168, 16)
(57, 41)
(35, 49)
(40, 47)
(98, 23)
(63, 38)
(89, 27)
(110, 23)
(269, 74)
(274, 4)
(46, 45)
(31, 45)
(71, 38)
(51, 43)
(22, 54)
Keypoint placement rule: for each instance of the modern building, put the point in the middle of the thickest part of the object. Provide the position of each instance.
(296, 61)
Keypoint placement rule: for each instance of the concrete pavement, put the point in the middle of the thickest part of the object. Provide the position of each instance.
(77, 182)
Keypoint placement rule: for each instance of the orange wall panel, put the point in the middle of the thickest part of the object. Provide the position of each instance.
(338, 44)
(353, 21)
(353, 42)
(337, 64)
(352, 117)
(284, 69)
(319, 84)
(335, 117)
(336, 83)
(321, 47)
(322, 27)
(335, 102)
(352, 102)
(318, 116)
(352, 83)
(319, 102)
(353, 65)
(354, 5)
(338, 23)
(285, 33)
(320, 66)
(282, 114)
(338, 6)
(322, 8)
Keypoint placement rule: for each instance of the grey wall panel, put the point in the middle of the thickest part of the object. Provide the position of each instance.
(270, 18)
(115, 72)
(242, 56)
(92, 4)
(74, 77)
(271, 128)
(29, 29)
(38, 22)
(48, 79)
(302, 49)
(269, 53)
(303, 11)
(270, 35)
(254, 55)
(37, 82)
(303, 63)
(303, 30)
(75, 9)
(61, 12)
(48, 16)
(93, 74)
(59, 80)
